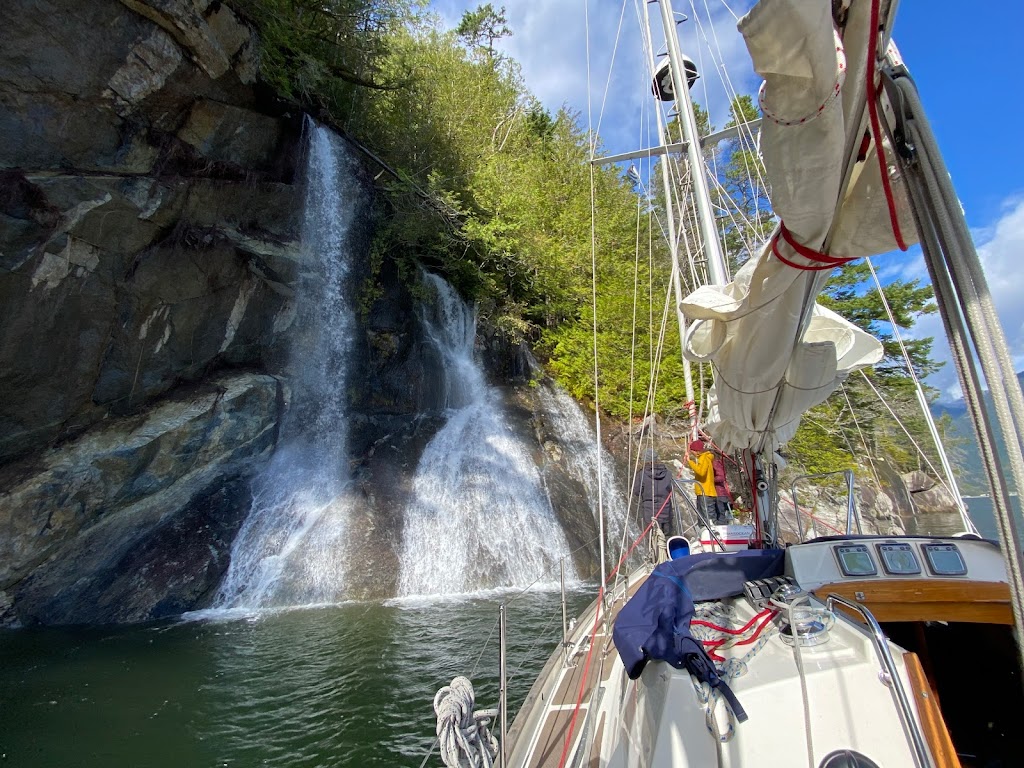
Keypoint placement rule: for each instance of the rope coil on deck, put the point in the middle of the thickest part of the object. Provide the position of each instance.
(465, 741)
(714, 638)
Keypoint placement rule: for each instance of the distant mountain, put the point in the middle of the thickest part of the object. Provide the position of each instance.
(967, 460)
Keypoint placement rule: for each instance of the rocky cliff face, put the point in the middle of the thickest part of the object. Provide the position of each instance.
(149, 211)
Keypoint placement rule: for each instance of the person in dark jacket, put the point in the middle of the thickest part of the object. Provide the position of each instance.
(652, 485)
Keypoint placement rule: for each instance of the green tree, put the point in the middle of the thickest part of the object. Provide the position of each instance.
(482, 27)
(318, 52)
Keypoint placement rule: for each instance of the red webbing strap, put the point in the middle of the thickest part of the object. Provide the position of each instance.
(876, 131)
(819, 260)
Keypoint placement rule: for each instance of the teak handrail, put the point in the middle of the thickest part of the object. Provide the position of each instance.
(980, 602)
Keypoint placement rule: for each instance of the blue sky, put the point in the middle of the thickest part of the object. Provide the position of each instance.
(964, 58)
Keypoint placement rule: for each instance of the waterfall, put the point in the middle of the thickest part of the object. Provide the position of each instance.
(479, 517)
(290, 549)
(577, 439)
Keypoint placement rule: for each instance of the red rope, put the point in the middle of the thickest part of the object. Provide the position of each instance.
(876, 131)
(818, 519)
(710, 645)
(586, 670)
(739, 631)
(635, 543)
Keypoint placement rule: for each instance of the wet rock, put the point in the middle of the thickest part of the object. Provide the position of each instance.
(145, 71)
(83, 517)
(208, 29)
(231, 134)
(918, 481)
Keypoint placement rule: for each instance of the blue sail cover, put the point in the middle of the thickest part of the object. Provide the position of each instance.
(655, 623)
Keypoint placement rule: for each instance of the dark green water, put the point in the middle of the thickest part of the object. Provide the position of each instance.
(350, 685)
(982, 512)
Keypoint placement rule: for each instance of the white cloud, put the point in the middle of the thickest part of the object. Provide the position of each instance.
(549, 40)
(1000, 248)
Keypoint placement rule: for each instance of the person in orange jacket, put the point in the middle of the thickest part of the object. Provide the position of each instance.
(701, 461)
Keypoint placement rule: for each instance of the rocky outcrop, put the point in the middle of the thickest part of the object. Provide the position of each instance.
(929, 496)
(148, 215)
(149, 226)
(95, 526)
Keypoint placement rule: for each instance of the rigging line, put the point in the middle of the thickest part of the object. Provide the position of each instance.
(741, 230)
(611, 68)
(713, 152)
(480, 655)
(529, 651)
(864, 442)
(657, 356)
(632, 461)
(632, 346)
(704, 169)
(730, 89)
(593, 288)
(723, 75)
(966, 308)
(689, 224)
(655, 369)
(549, 571)
(730, 10)
(951, 484)
(632, 341)
(636, 288)
(900, 423)
(699, 410)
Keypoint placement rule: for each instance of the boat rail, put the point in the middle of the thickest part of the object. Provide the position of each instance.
(890, 677)
(851, 501)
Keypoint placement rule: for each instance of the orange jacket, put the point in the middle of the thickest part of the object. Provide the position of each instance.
(703, 474)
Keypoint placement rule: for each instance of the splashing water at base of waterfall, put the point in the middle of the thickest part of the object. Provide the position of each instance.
(479, 517)
(594, 469)
(290, 549)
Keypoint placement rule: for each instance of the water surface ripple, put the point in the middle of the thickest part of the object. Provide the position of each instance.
(350, 685)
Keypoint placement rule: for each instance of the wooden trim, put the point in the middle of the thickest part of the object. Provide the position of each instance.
(980, 602)
(932, 723)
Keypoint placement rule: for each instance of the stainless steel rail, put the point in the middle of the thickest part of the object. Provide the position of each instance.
(890, 676)
(851, 501)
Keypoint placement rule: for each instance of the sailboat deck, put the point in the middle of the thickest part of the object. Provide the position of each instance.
(577, 683)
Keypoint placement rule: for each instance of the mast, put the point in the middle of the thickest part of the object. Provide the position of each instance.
(673, 245)
(762, 480)
(691, 134)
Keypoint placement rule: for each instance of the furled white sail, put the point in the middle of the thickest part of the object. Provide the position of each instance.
(777, 354)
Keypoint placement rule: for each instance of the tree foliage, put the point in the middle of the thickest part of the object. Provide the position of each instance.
(491, 189)
(319, 51)
(482, 27)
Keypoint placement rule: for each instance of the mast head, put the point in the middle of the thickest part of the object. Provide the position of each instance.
(662, 87)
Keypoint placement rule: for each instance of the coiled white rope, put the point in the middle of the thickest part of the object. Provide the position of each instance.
(462, 733)
(729, 669)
